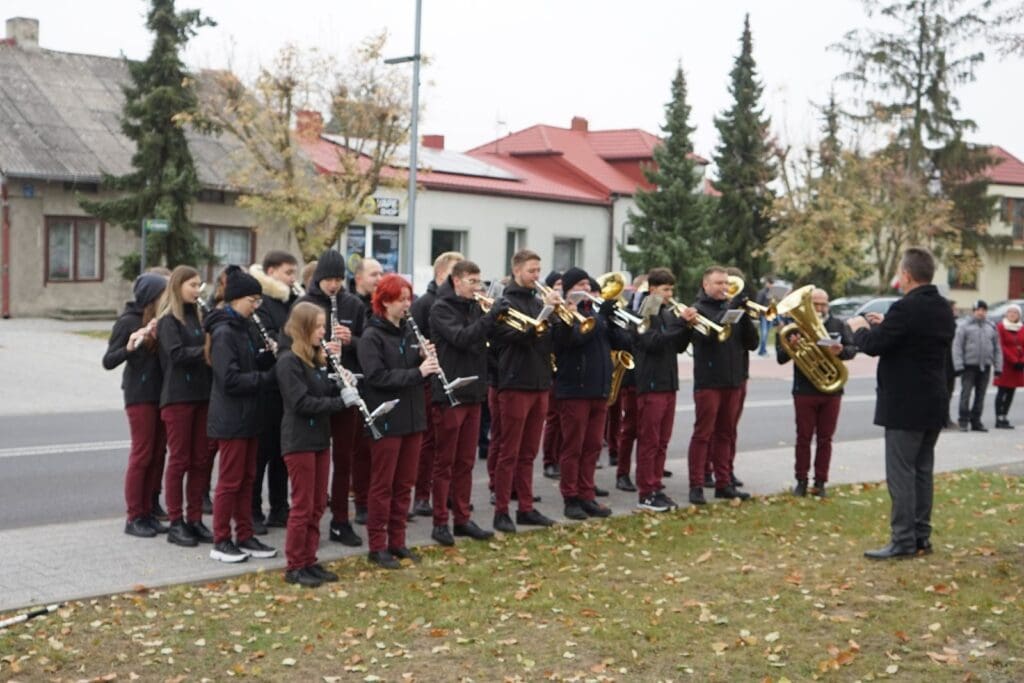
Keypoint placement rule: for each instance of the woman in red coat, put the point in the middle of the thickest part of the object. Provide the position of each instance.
(1011, 338)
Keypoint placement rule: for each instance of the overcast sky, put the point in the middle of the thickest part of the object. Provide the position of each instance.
(499, 66)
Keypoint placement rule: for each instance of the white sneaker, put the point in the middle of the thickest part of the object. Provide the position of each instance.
(226, 551)
(256, 548)
(652, 503)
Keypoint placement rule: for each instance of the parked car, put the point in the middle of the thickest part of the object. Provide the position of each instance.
(878, 305)
(844, 306)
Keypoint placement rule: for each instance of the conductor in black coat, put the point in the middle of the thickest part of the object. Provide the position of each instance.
(912, 342)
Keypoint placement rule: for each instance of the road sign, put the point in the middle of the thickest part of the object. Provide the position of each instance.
(156, 225)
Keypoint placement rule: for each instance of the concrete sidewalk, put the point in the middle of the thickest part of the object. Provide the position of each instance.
(60, 562)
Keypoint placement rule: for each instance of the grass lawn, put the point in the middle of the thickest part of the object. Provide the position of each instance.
(772, 590)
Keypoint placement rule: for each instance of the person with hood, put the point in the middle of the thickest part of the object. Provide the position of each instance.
(345, 319)
(184, 400)
(460, 330)
(235, 415)
(976, 353)
(133, 342)
(394, 367)
(1011, 341)
(550, 447)
(420, 312)
(276, 276)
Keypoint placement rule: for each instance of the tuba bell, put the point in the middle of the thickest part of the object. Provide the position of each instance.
(826, 372)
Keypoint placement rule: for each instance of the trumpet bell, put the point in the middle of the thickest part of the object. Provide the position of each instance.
(736, 285)
(611, 285)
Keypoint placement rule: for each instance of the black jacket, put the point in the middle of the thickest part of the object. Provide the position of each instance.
(656, 351)
(142, 379)
(912, 344)
(524, 359)
(420, 309)
(351, 314)
(459, 330)
(235, 409)
(584, 360)
(309, 398)
(186, 376)
(390, 358)
(722, 365)
(802, 385)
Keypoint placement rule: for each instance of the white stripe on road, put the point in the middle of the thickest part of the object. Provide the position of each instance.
(779, 403)
(63, 448)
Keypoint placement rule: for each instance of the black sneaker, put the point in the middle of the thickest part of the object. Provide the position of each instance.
(443, 535)
(652, 503)
(504, 523)
(207, 504)
(423, 508)
(156, 525)
(573, 510)
(731, 493)
(277, 518)
(181, 534)
(471, 530)
(158, 511)
(226, 551)
(360, 517)
(624, 483)
(139, 527)
(259, 528)
(595, 509)
(964, 426)
(801, 488)
(709, 480)
(533, 518)
(405, 554)
(319, 572)
(201, 532)
(552, 471)
(736, 482)
(302, 577)
(978, 427)
(697, 496)
(256, 548)
(665, 500)
(344, 534)
(383, 559)
(666, 474)
(600, 492)
(819, 489)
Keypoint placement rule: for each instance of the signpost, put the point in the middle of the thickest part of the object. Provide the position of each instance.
(151, 225)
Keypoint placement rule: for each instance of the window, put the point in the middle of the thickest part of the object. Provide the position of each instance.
(355, 244)
(1012, 213)
(446, 240)
(74, 250)
(228, 245)
(515, 239)
(568, 253)
(213, 196)
(386, 238)
(960, 280)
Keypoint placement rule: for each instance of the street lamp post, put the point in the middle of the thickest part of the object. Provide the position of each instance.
(414, 142)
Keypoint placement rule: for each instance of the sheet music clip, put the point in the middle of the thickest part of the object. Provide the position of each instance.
(460, 382)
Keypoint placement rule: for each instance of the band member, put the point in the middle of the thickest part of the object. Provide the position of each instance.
(347, 315)
(366, 275)
(625, 435)
(817, 411)
(1011, 339)
(657, 382)
(133, 342)
(420, 312)
(184, 398)
(911, 341)
(524, 381)
(276, 276)
(551, 447)
(394, 367)
(309, 399)
(976, 354)
(235, 418)
(460, 330)
(581, 390)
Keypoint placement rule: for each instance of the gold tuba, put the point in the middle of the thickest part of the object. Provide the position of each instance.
(826, 372)
(621, 361)
(517, 320)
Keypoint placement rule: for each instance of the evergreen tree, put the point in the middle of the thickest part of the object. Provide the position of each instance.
(164, 183)
(743, 219)
(671, 228)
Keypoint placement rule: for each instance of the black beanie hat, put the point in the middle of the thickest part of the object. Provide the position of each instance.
(148, 287)
(330, 264)
(239, 284)
(572, 276)
(553, 277)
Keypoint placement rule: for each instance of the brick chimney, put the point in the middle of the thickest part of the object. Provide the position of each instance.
(23, 32)
(433, 141)
(309, 124)
(579, 123)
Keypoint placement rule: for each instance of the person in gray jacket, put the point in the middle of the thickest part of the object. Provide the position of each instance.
(976, 353)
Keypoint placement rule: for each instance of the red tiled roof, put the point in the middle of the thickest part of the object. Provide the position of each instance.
(1009, 170)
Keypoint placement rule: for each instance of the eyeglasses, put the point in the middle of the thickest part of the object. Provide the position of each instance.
(255, 300)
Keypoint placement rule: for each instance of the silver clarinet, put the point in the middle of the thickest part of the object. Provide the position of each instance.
(268, 342)
(350, 395)
(448, 391)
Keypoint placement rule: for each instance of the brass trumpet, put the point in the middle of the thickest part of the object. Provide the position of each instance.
(568, 316)
(702, 324)
(612, 285)
(517, 320)
(754, 309)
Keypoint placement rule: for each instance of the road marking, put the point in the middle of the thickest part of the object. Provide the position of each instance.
(779, 403)
(52, 449)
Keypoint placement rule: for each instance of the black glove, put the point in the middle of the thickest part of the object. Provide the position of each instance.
(607, 307)
(738, 301)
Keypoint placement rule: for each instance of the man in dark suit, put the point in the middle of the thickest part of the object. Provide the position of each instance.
(912, 342)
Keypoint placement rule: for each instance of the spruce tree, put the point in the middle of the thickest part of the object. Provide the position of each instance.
(743, 219)
(670, 228)
(163, 183)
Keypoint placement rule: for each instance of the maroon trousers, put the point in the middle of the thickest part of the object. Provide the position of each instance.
(612, 425)
(815, 413)
(361, 467)
(522, 421)
(456, 430)
(346, 433)
(145, 459)
(233, 498)
(626, 435)
(709, 466)
(582, 422)
(392, 476)
(494, 448)
(714, 434)
(656, 411)
(187, 455)
(552, 431)
(307, 472)
(425, 472)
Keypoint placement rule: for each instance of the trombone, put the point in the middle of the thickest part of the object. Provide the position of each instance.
(568, 316)
(517, 320)
(754, 309)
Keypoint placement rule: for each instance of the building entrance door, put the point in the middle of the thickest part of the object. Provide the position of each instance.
(1016, 283)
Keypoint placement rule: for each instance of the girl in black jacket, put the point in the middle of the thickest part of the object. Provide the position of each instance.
(133, 342)
(234, 416)
(309, 398)
(390, 356)
(184, 397)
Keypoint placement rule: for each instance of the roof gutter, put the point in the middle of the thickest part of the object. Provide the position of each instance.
(5, 249)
